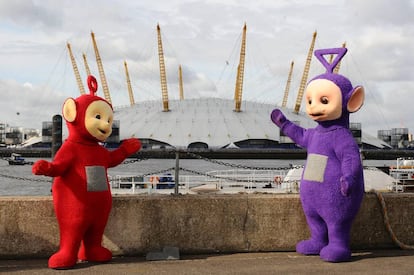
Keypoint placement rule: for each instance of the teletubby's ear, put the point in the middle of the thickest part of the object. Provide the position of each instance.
(69, 110)
(356, 100)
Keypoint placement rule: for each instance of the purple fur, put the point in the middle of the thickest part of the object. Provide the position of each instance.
(332, 184)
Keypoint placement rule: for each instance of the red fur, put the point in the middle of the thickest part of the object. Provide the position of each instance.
(81, 214)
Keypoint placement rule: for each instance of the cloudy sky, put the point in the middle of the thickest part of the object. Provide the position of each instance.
(204, 37)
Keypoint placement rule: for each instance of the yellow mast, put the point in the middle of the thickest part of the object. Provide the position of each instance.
(88, 71)
(101, 70)
(163, 75)
(336, 70)
(236, 90)
(75, 70)
(240, 72)
(131, 94)
(180, 82)
(289, 80)
(305, 75)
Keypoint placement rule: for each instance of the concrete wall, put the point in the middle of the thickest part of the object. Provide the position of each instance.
(198, 224)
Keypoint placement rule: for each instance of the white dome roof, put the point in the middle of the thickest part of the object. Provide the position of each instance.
(212, 121)
(208, 120)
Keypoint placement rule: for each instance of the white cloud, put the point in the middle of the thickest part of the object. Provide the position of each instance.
(27, 105)
(28, 85)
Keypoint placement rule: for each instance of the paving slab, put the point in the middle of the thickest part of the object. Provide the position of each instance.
(390, 261)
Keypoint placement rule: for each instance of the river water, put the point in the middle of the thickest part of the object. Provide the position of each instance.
(19, 180)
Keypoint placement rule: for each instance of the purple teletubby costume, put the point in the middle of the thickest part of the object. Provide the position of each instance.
(332, 184)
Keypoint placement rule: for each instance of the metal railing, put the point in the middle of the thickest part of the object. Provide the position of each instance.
(240, 179)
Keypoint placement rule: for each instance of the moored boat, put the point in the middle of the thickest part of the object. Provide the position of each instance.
(403, 173)
(17, 159)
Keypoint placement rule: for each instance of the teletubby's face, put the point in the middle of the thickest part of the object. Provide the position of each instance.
(323, 100)
(98, 120)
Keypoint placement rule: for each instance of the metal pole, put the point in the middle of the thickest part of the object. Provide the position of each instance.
(56, 134)
(177, 174)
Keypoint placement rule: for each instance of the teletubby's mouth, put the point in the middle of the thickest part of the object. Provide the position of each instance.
(317, 114)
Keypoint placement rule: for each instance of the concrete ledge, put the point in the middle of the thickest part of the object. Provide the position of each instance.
(198, 224)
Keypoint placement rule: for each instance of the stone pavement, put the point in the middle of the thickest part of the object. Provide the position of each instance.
(390, 261)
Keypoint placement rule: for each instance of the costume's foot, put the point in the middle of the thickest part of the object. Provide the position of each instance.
(62, 260)
(94, 254)
(335, 253)
(309, 247)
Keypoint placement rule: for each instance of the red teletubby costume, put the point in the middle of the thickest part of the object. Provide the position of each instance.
(81, 195)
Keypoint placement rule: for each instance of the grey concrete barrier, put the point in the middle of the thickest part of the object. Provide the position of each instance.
(199, 224)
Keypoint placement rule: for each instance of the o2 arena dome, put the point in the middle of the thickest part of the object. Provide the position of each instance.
(212, 123)
(203, 123)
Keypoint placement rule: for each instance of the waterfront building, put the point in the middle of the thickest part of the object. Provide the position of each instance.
(397, 138)
(14, 136)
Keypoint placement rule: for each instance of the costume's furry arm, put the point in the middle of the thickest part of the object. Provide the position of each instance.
(62, 161)
(348, 154)
(295, 132)
(127, 148)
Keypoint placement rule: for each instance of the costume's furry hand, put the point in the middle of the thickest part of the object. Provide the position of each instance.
(130, 145)
(42, 167)
(345, 187)
(278, 117)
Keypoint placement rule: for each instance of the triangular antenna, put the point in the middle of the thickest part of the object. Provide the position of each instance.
(340, 52)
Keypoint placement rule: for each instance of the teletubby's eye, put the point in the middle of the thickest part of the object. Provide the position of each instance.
(98, 116)
(324, 100)
(309, 101)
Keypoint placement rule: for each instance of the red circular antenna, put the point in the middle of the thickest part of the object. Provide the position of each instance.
(92, 84)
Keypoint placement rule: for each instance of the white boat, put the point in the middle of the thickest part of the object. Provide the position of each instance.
(374, 179)
(403, 175)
